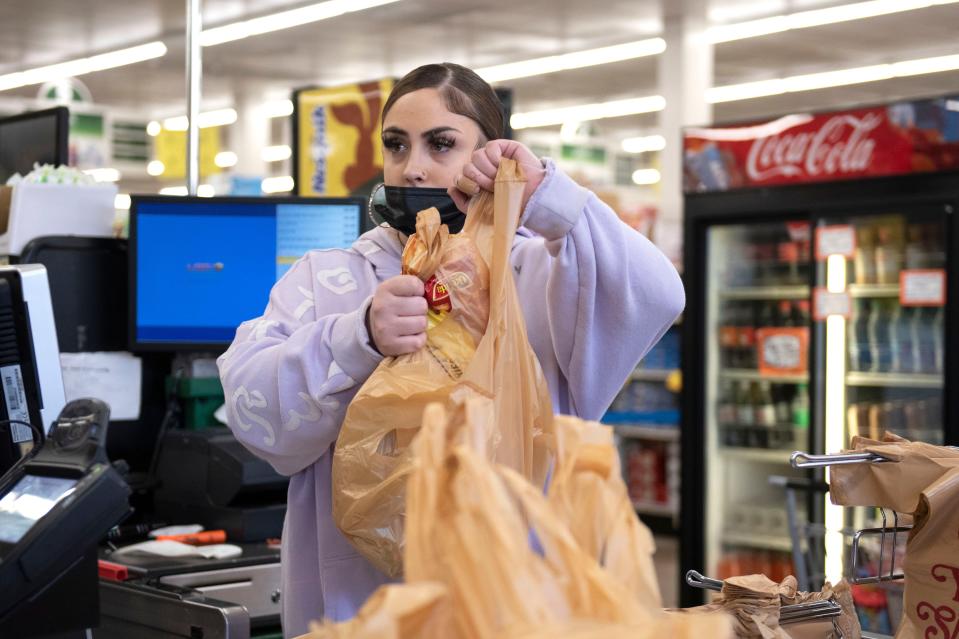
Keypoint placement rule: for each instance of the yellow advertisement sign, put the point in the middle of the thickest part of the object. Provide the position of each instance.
(338, 145)
(169, 147)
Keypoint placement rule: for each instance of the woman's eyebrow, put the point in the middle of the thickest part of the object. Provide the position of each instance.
(438, 130)
(395, 131)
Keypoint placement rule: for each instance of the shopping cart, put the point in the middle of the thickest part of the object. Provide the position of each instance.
(873, 550)
(790, 614)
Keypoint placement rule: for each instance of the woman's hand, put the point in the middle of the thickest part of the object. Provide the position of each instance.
(480, 172)
(396, 320)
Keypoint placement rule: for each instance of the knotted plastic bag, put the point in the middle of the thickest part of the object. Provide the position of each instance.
(921, 480)
(476, 346)
(471, 526)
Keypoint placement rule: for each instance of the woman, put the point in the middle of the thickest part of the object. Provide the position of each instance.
(596, 295)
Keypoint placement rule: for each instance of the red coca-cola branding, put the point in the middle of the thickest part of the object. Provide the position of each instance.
(814, 148)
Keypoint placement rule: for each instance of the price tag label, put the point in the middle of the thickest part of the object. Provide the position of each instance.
(783, 351)
(798, 231)
(838, 239)
(922, 287)
(825, 304)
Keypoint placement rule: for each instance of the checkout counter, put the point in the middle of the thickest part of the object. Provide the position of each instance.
(59, 499)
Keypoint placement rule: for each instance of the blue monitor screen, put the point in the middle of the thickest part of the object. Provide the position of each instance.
(203, 265)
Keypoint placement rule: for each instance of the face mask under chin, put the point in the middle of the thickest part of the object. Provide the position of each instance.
(397, 206)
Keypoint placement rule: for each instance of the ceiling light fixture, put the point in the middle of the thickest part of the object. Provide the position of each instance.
(815, 18)
(218, 117)
(279, 184)
(225, 159)
(828, 79)
(82, 66)
(278, 109)
(585, 112)
(575, 60)
(276, 153)
(285, 20)
(644, 144)
(646, 177)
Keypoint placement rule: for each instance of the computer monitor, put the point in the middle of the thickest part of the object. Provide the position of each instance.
(199, 267)
(31, 383)
(36, 137)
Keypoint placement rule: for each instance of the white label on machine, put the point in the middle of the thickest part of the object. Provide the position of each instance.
(16, 400)
(113, 377)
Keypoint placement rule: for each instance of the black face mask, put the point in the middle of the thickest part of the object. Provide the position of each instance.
(398, 206)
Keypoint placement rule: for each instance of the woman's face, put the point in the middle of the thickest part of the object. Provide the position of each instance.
(424, 144)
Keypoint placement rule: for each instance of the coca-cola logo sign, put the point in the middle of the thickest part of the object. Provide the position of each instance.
(842, 145)
(908, 137)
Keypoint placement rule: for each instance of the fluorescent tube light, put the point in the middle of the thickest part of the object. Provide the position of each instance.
(644, 144)
(155, 168)
(575, 60)
(225, 159)
(276, 153)
(121, 201)
(645, 177)
(278, 109)
(285, 20)
(280, 184)
(174, 190)
(82, 66)
(219, 117)
(827, 79)
(815, 18)
(584, 112)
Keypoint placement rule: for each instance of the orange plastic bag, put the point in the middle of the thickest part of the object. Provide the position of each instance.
(470, 524)
(466, 355)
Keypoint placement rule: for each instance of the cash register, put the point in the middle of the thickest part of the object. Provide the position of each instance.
(59, 494)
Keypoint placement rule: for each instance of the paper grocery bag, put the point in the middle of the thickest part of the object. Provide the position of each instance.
(921, 480)
(476, 346)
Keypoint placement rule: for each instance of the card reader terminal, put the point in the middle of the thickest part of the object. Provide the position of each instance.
(56, 506)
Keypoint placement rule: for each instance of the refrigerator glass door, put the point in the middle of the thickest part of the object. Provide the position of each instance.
(757, 397)
(884, 278)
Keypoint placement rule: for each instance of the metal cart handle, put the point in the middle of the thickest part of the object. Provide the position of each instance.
(697, 580)
(800, 459)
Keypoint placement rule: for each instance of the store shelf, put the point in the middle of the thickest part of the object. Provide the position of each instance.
(653, 433)
(767, 542)
(895, 380)
(749, 375)
(763, 455)
(656, 510)
(874, 290)
(651, 374)
(765, 293)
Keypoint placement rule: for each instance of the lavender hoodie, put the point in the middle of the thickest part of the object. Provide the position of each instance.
(596, 295)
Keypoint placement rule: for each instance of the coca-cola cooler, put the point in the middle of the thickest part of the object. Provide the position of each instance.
(820, 256)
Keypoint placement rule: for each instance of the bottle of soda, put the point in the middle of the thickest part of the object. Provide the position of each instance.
(903, 354)
(801, 412)
(863, 358)
(864, 259)
(888, 257)
(880, 337)
(747, 338)
(728, 336)
(765, 415)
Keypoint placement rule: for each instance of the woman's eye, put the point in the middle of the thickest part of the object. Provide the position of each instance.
(442, 144)
(393, 145)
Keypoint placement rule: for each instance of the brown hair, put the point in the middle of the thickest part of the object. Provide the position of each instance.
(465, 93)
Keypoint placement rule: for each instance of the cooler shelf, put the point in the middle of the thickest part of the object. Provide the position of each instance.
(765, 293)
(749, 375)
(874, 290)
(763, 455)
(766, 542)
(654, 433)
(895, 380)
